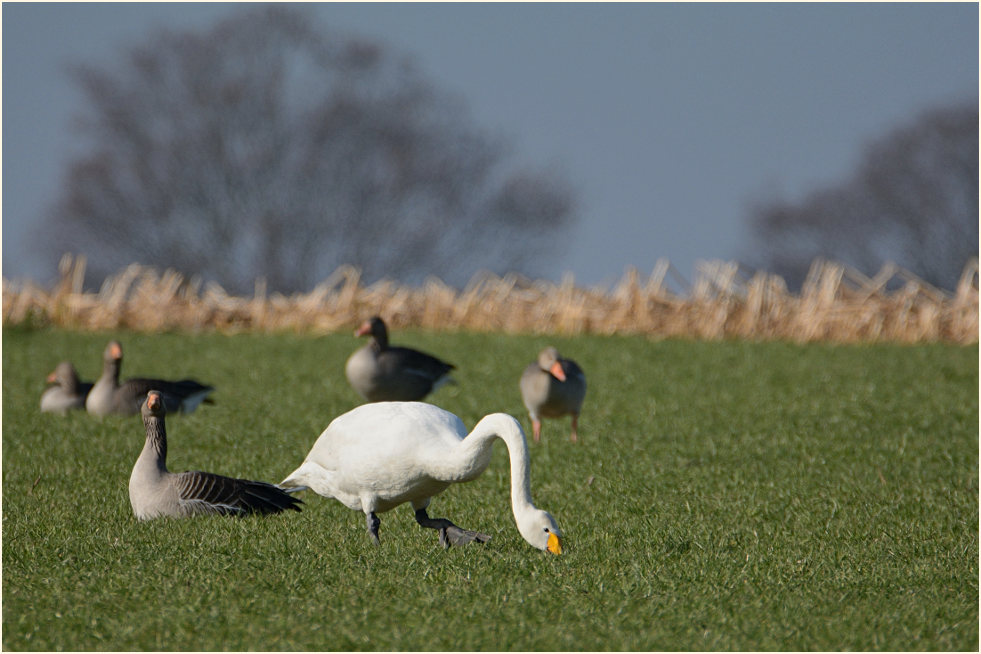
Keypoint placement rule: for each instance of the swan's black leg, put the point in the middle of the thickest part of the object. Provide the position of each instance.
(449, 533)
(373, 523)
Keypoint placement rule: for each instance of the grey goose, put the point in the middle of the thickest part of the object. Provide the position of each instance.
(68, 392)
(552, 387)
(380, 372)
(156, 492)
(108, 396)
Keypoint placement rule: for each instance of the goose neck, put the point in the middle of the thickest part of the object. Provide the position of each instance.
(71, 383)
(156, 440)
(110, 371)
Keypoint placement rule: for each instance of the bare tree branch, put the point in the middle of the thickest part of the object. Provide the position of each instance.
(267, 146)
(912, 201)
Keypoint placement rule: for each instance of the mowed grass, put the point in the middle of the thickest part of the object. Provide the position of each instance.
(724, 496)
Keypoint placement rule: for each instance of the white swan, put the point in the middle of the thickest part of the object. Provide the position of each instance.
(380, 455)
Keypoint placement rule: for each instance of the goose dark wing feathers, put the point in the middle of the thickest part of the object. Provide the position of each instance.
(414, 362)
(205, 492)
(173, 392)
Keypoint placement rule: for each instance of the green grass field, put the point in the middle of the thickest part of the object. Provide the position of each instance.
(723, 496)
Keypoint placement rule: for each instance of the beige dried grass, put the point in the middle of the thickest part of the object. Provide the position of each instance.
(836, 303)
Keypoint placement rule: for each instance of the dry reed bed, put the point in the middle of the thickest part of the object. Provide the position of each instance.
(836, 303)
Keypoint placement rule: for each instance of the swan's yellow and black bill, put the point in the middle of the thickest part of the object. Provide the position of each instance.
(554, 544)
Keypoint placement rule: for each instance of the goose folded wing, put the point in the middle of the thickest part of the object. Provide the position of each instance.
(173, 393)
(188, 387)
(205, 492)
(418, 363)
(181, 388)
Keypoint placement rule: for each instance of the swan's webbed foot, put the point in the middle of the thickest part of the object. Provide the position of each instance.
(373, 523)
(449, 533)
(453, 535)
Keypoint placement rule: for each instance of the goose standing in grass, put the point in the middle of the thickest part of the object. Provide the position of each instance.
(109, 396)
(378, 456)
(155, 492)
(380, 372)
(552, 387)
(68, 392)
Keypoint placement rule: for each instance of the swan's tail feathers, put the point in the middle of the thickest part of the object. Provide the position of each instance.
(310, 476)
(293, 480)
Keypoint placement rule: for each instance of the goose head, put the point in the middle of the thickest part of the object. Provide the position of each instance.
(540, 530)
(112, 360)
(153, 406)
(114, 351)
(64, 374)
(548, 360)
(374, 327)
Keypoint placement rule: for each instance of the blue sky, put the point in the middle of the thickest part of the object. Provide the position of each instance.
(669, 119)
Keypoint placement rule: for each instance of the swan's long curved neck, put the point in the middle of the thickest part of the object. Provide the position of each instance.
(505, 427)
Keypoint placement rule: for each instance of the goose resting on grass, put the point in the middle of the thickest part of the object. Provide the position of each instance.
(380, 372)
(68, 391)
(155, 492)
(552, 387)
(109, 396)
(378, 456)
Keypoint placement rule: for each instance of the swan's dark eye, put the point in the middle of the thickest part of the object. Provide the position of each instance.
(547, 531)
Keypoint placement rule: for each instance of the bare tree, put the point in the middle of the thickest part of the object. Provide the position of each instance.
(912, 201)
(267, 146)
